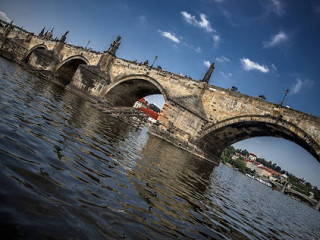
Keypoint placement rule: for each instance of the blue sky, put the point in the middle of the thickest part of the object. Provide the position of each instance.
(259, 46)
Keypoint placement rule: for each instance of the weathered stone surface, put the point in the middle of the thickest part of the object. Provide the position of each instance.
(90, 80)
(41, 59)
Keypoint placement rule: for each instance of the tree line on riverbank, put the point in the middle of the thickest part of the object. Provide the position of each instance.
(298, 184)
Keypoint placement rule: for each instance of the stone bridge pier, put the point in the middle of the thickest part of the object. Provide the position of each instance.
(198, 117)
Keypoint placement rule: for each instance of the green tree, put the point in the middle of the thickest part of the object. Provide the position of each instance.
(154, 108)
(278, 169)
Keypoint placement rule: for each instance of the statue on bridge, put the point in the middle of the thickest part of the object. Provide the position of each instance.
(41, 34)
(48, 35)
(114, 46)
(207, 77)
(7, 29)
(64, 37)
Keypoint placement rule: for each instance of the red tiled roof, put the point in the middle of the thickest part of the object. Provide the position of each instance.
(270, 170)
(143, 101)
(265, 168)
(150, 113)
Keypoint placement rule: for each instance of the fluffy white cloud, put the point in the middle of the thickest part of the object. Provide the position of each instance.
(206, 63)
(222, 59)
(299, 84)
(225, 75)
(248, 65)
(277, 39)
(203, 23)
(170, 36)
(216, 40)
(4, 17)
(297, 87)
(277, 7)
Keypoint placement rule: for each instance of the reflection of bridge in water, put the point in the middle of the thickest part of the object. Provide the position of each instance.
(311, 201)
(198, 117)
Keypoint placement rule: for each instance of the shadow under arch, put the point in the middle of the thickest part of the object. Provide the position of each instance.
(37, 47)
(127, 90)
(216, 137)
(67, 68)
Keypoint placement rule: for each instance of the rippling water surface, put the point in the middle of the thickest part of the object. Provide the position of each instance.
(69, 171)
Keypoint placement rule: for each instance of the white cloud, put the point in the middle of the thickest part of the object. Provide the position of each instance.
(274, 67)
(198, 50)
(277, 39)
(248, 65)
(297, 87)
(203, 23)
(142, 18)
(170, 36)
(4, 17)
(225, 75)
(216, 40)
(206, 63)
(299, 84)
(191, 46)
(277, 7)
(222, 59)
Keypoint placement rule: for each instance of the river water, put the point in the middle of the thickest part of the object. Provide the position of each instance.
(69, 171)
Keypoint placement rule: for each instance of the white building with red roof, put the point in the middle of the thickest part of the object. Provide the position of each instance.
(252, 157)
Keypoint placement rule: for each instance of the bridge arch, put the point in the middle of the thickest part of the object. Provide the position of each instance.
(40, 46)
(67, 68)
(216, 137)
(126, 91)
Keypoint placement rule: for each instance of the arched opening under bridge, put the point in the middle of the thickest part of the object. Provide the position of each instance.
(140, 93)
(126, 92)
(269, 149)
(40, 47)
(214, 139)
(67, 69)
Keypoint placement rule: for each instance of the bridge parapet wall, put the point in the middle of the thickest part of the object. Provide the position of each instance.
(222, 104)
(174, 84)
(69, 52)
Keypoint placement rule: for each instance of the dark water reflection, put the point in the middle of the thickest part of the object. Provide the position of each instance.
(70, 172)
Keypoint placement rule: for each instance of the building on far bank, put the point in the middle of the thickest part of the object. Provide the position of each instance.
(273, 175)
(252, 157)
(234, 157)
(252, 164)
(284, 178)
(141, 103)
(263, 171)
(144, 107)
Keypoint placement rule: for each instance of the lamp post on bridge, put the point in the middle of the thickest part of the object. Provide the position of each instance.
(287, 91)
(87, 44)
(154, 61)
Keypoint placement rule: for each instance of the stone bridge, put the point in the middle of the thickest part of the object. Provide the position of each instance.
(286, 190)
(198, 117)
(314, 203)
